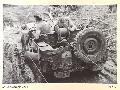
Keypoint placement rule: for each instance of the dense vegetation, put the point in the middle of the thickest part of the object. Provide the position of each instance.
(14, 16)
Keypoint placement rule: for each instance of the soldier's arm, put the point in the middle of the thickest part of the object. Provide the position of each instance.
(72, 25)
(55, 26)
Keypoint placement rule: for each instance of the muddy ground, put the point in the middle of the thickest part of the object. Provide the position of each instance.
(102, 17)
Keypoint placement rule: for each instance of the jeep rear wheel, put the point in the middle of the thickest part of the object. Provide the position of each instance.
(90, 45)
(91, 42)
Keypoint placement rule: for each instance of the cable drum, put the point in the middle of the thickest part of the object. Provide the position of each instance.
(90, 45)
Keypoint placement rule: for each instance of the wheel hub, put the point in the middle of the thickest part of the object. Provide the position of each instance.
(90, 45)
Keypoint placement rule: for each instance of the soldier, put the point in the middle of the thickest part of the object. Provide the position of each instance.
(42, 25)
(63, 27)
(28, 34)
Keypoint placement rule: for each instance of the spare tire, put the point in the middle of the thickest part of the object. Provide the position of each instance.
(90, 45)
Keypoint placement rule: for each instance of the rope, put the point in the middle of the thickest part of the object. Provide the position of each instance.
(38, 60)
(38, 70)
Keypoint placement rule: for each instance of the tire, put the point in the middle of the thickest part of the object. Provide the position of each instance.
(90, 47)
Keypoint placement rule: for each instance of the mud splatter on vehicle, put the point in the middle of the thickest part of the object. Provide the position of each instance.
(79, 40)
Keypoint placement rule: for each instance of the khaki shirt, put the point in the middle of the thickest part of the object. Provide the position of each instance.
(44, 27)
(67, 23)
